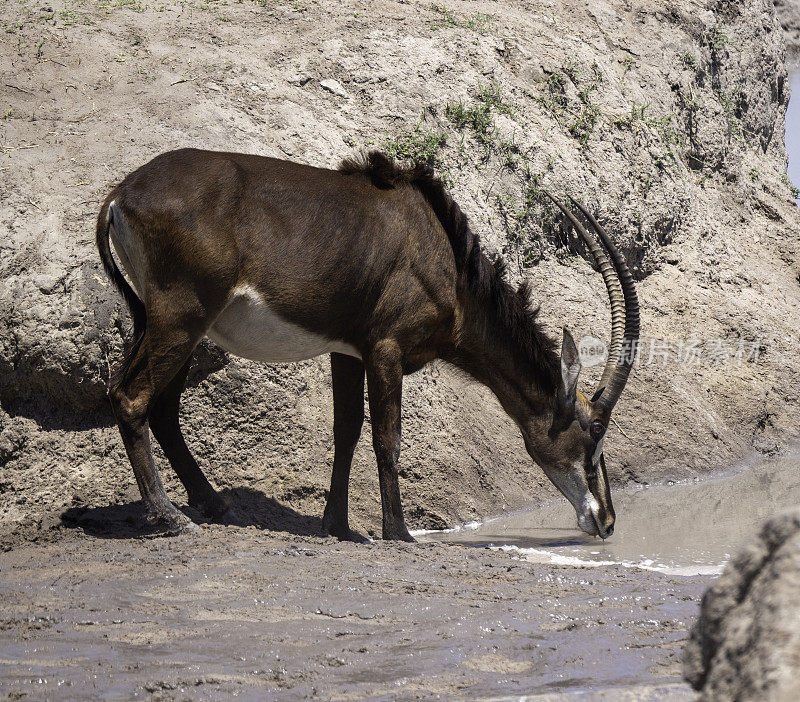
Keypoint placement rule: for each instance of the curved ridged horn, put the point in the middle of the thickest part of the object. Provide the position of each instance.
(622, 365)
(615, 296)
(624, 312)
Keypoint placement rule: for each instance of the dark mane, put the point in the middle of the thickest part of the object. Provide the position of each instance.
(509, 309)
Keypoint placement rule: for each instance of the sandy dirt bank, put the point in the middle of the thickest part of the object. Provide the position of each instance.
(666, 120)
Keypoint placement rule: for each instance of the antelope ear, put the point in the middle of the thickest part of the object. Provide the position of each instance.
(570, 368)
(567, 392)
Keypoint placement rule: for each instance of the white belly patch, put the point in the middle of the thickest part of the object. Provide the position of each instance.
(248, 328)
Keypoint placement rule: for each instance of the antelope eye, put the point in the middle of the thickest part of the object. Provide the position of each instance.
(596, 431)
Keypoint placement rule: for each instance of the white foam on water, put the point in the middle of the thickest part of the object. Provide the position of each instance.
(541, 555)
(538, 555)
(469, 526)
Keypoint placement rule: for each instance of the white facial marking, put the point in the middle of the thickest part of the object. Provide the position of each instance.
(597, 452)
(574, 486)
(247, 327)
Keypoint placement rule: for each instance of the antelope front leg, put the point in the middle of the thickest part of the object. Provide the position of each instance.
(347, 378)
(385, 389)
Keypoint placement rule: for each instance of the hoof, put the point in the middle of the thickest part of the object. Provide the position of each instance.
(398, 534)
(228, 517)
(350, 535)
(216, 509)
(169, 523)
(343, 532)
(185, 527)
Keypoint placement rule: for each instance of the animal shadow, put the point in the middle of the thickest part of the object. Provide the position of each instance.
(252, 507)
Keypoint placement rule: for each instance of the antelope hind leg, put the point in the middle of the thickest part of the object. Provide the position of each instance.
(165, 425)
(146, 373)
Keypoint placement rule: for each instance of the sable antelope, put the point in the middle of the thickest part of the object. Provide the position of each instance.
(372, 263)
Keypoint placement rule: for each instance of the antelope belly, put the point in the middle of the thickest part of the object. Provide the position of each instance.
(248, 328)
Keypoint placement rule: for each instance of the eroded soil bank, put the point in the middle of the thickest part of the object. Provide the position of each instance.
(241, 612)
(666, 120)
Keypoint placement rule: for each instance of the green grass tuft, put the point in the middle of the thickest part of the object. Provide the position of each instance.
(418, 145)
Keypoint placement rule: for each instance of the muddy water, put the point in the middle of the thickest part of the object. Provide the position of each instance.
(793, 129)
(680, 529)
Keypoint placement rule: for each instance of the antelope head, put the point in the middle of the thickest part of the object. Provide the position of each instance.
(569, 445)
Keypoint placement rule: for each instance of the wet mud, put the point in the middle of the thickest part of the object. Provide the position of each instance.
(240, 612)
(523, 604)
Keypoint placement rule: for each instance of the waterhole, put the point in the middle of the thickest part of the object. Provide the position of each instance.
(682, 529)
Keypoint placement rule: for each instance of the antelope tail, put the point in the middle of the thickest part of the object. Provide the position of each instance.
(135, 306)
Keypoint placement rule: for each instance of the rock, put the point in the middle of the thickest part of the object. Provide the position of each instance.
(335, 87)
(298, 79)
(746, 643)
